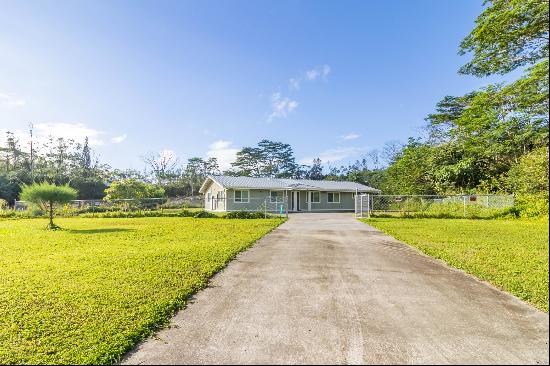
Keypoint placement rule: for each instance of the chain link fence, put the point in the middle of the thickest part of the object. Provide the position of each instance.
(479, 205)
(269, 205)
(119, 204)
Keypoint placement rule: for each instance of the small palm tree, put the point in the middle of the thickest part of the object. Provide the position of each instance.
(46, 194)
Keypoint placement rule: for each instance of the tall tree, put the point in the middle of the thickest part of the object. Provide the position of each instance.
(508, 34)
(268, 159)
(164, 165)
(315, 172)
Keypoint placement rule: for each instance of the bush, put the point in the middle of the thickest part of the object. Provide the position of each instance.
(133, 214)
(204, 214)
(246, 215)
(12, 214)
(3, 204)
(530, 175)
(532, 205)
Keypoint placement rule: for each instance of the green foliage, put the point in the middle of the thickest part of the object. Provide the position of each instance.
(532, 205)
(530, 174)
(9, 190)
(511, 254)
(412, 172)
(45, 193)
(203, 214)
(134, 214)
(3, 204)
(88, 188)
(246, 215)
(477, 141)
(132, 189)
(87, 294)
(508, 34)
(268, 159)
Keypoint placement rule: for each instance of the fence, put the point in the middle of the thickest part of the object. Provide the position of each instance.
(480, 205)
(271, 205)
(125, 204)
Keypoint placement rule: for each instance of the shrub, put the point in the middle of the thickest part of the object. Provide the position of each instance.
(530, 175)
(245, 215)
(133, 214)
(3, 204)
(532, 205)
(45, 194)
(204, 214)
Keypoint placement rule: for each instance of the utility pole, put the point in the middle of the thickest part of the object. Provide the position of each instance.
(31, 126)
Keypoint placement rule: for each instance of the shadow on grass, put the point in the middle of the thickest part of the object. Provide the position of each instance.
(98, 231)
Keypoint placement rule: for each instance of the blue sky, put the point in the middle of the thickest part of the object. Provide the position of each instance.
(203, 78)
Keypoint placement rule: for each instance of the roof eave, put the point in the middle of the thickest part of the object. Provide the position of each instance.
(209, 180)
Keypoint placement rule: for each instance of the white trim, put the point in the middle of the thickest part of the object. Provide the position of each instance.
(333, 197)
(241, 190)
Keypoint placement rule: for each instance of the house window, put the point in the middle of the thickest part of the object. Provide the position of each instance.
(276, 196)
(209, 196)
(315, 197)
(241, 196)
(333, 197)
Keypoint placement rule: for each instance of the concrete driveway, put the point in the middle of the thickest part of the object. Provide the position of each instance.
(325, 288)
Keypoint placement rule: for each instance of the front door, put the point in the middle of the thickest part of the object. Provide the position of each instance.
(295, 202)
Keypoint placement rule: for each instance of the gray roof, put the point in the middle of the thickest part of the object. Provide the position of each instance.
(283, 183)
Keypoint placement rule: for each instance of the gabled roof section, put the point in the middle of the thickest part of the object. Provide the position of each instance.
(227, 181)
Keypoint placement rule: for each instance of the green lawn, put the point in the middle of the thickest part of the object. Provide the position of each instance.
(89, 293)
(511, 254)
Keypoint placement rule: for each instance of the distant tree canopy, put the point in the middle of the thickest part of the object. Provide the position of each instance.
(268, 159)
(133, 189)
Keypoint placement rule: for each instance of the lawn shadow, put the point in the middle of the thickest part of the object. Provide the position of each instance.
(98, 231)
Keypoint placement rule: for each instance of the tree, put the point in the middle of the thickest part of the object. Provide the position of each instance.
(268, 159)
(508, 34)
(163, 165)
(132, 189)
(412, 172)
(48, 195)
(86, 158)
(315, 172)
(530, 174)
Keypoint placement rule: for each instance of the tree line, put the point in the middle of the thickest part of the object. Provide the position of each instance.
(490, 140)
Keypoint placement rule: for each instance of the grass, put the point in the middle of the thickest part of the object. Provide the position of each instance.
(511, 254)
(88, 293)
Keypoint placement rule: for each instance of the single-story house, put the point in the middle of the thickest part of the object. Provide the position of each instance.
(229, 193)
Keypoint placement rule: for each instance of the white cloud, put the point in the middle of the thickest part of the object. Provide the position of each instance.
(118, 139)
(350, 136)
(224, 152)
(295, 83)
(310, 75)
(326, 70)
(320, 71)
(10, 101)
(335, 154)
(281, 106)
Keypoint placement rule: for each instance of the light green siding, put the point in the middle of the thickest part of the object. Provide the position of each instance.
(259, 200)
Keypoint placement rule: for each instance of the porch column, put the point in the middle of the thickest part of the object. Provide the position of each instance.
(308, 197)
